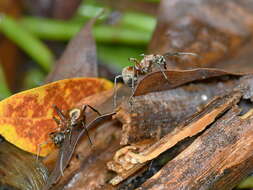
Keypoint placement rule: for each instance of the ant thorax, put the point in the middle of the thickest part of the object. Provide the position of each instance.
(145, 64)
(129, 76)
(159, 60)
(75, 116)
(149, 63)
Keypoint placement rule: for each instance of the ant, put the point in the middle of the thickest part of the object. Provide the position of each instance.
(130, 74)
(76, 117)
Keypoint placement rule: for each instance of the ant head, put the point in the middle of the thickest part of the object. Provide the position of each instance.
(128, 76)
(75, 115)
(57, 138)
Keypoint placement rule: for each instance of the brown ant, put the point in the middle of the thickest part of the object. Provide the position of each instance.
(130, 74)
(76, 118)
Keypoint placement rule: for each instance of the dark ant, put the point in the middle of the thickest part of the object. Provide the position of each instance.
(130, 74)
(76, 117)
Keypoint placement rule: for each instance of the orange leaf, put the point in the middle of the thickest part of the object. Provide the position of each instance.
(26, 117)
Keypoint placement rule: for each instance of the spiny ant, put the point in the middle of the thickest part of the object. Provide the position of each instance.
(130, 74)
(75, 118)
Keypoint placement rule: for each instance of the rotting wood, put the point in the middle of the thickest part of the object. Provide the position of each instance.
(190, 128)
(131, 158)
(155, 165)
(218, 159)
(155, 114)
(244, 87)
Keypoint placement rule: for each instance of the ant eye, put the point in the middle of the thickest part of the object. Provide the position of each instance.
(75, 113)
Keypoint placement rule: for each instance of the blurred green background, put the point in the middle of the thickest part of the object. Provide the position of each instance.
(38, 38)
(33, 36)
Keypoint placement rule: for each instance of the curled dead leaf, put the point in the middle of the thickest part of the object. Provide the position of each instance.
(156, 81)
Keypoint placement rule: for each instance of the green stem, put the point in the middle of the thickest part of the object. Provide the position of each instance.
(58, 30)
(107, 52)
(26, 41)
(120, 35)
(247, 183)
(50, 29)
(139, 21)
(152, 1)
(34, 77)
(135, 20)
(4, 90)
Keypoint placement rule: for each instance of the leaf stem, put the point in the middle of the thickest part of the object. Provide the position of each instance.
(135, 20)
(26, 41)
(4, 90)
(59, 30)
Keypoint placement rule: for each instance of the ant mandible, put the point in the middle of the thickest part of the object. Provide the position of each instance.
(130, 74)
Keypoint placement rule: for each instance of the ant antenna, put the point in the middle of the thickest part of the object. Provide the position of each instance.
(133, 60)
(59, 113)
(133, 82)
(180, 53)
(87, 132)
(93, 109)
(57, 121)
(115, 91)
(39, 148)
(84, 121)
(61, 168)
(165, 76)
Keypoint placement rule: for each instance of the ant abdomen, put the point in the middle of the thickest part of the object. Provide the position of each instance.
(129, 77)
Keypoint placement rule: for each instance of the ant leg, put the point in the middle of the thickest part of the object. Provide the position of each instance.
(180, 53)
(70, 135)
(188, 53)
(57, 121)
(59, 113)
(165, 76)
(165, 65)
(133, 87)
(96, 111)
(87, 132)
(39, 149)
(133, 60)
(61, 167)
(115, 91)
(84, 123)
